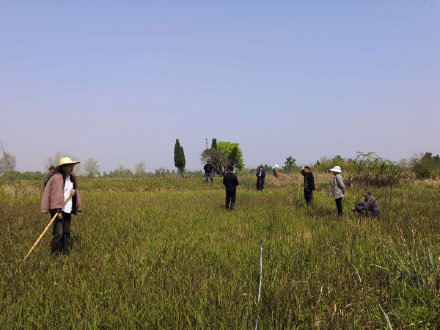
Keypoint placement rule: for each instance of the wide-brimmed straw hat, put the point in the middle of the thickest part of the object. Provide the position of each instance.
(336, 169)
(66, 161)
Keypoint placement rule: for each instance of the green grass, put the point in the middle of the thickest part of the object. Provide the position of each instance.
(163, 252)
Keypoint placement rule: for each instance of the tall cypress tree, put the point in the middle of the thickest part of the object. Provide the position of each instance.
(214, 144)
(233, 158)
(179, 157)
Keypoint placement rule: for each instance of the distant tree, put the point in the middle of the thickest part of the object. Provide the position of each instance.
(140, 169)
(91, 168)
(222, 154)
(7, 161)
(121, 172)
(161, 171)
(290, 164)
(339, 161)
(179, 157)
(55, 161)
(216, 158)
(425, 165)
(226, 148)
(214, 144)
(233, 158)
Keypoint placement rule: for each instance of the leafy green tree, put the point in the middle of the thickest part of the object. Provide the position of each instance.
(425, 165)
(216, 158)
(226, 148)
(290, 164)
(179, 157)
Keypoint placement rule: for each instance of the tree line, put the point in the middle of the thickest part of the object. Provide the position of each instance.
(365, 167)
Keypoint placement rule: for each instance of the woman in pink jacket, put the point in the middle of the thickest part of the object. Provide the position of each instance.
(61, 187)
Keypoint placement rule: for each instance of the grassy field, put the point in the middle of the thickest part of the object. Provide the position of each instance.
(163, 253)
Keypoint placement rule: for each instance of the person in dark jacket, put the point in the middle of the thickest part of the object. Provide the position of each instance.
(370, 207)
(231, 182)
(48, 176)
(208, 172)
(309, 184)
(261, 175)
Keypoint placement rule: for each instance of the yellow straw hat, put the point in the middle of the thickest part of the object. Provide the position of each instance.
(66, 161)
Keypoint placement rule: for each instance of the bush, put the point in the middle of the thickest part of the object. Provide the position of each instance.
(371, 170)
(426, 166)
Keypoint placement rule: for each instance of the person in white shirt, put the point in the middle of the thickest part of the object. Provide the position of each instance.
(61, 196)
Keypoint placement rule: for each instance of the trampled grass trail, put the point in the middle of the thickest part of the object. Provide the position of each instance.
(164, 253)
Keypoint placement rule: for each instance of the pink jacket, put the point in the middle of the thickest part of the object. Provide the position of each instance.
(53, 196)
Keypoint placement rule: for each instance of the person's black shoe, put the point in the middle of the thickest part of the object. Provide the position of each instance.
(232, 207)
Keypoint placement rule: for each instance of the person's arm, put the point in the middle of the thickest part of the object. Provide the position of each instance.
(236, 181)
(303, 172)
(311, 181)
(45, 201)
(224, 180)
(340, 183)
(78, 200)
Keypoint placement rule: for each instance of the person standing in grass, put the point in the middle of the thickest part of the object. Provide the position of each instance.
(48, 176)
(231, 182)
(261, 175)
(60, 187)
(274, 169)
(208, 172)
(309, 184)
(338, 188)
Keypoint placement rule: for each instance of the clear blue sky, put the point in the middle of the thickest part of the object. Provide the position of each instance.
(119, 81)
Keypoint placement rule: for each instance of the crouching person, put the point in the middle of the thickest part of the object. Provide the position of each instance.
(369, 207)
(61, 187)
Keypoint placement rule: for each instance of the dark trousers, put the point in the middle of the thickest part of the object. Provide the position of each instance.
(61, 234)
(209, 176)
(339, 206)
(230, 198)
(260, 184)
(308, 196)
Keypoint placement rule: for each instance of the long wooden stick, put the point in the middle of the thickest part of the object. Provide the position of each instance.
(44, 231)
